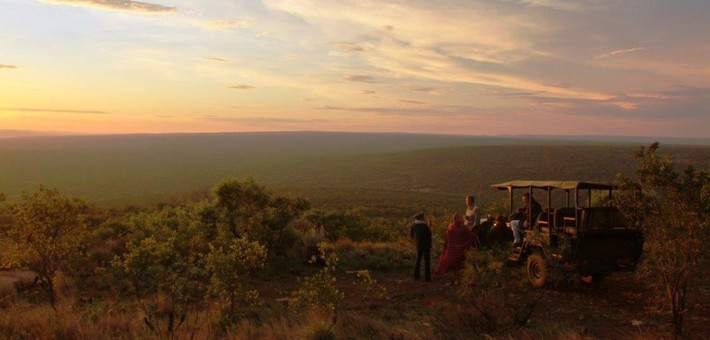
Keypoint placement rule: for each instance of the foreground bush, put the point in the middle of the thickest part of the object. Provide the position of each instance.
(485, 283)
(319, 289)
(164, 267)
(673, 210)
(230, 267)
(45, 233)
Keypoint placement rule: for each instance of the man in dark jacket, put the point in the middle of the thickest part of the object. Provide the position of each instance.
(519, 222)
(421, 234)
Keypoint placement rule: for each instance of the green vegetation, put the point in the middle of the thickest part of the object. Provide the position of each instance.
(673, 209)
(383, 175)
(245, 261)
(45, 232)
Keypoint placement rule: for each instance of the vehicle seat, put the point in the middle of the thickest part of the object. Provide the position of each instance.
(562, 224)
(543, 223)
(601, 218)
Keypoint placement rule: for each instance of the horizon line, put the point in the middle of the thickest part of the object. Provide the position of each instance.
(32, 134)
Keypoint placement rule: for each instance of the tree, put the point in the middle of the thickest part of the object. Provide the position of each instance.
(238, 201)
(319, 289)
(45, 232)
(244, 208)
(673, 210)
(230, 266)
(164, 265)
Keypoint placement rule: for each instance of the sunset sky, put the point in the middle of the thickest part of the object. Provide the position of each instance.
(534, 67)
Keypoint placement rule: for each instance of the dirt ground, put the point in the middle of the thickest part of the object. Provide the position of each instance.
(619, 307)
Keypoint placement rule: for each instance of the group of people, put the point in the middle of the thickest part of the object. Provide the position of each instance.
(467, 231)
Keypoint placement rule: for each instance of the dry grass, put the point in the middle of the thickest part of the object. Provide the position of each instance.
(378, 256)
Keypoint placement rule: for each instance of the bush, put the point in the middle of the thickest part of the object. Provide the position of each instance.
(230, 266)
(319, 289)
(337, 224)
(46, 232)
(164, 266)
(485, 284)
(672, 209)
(244, 208)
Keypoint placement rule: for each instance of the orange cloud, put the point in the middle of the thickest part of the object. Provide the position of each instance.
(121, 5)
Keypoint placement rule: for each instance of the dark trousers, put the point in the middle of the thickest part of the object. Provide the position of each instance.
(426, 255)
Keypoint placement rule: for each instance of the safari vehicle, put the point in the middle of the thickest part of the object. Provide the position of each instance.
(593, 239)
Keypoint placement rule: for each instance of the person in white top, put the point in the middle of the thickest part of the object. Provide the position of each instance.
(473, 214)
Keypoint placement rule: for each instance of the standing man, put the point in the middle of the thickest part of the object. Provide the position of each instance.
(473, 214)
(421, 234)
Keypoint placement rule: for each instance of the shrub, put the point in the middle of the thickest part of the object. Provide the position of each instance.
(46, 232)
(230, 266)
(485, 284)
(164, 266)
(319, 289)
(246, 208)
(672, 209)
(372, 291)
(338, 224)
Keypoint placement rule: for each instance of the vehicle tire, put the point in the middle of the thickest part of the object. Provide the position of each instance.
(537, 270)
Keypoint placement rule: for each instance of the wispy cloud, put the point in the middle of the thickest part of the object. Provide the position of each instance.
(7, 66)
(217, 59)
(262, 120)
(426, 89)
(23, 109)
(684, 102)
(360, 78)
(119, 5)
(617, 53)
(223, 24)
(409, 101)
(367, 92)
(345, 46)
(437, 111)
(241, 87)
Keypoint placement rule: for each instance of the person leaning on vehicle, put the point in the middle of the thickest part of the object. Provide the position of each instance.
(421, 234)
(520, 220)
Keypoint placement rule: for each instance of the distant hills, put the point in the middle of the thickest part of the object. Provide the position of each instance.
(7, 133)
(383, 173)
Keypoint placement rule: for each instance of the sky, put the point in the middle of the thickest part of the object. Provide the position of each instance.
(496, 67)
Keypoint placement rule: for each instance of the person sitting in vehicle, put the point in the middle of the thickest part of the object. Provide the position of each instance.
(519, 221)
(499, 235)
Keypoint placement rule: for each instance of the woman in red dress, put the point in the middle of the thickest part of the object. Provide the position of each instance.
(459, 240)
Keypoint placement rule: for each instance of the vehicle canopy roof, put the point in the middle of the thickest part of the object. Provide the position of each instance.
(565, 185)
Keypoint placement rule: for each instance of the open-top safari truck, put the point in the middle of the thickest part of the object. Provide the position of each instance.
(593, 239)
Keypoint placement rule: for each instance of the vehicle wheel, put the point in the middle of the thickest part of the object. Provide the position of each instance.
(537, 270)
